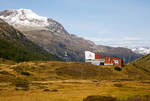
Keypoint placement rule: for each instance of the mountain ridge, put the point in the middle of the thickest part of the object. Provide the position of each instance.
(15, 46)
(56, 40)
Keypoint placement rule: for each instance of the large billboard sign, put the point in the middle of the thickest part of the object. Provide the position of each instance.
(89, 55)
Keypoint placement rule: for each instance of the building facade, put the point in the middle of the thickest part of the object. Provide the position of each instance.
(97, 59)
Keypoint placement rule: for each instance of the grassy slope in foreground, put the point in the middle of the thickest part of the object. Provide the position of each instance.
(45, 71)
(68, 81)
(143, 63)
(15, 46)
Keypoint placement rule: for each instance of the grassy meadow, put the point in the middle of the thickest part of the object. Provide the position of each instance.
(76, 90)
(69, 81)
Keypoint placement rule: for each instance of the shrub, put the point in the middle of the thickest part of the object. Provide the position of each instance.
(95, 80)
(118, 85)
(23, 83)
(18, 69)
(54, 90)
(99, 98)
(6, 73)
(25, 73)
(46, 90)
(118, 69)
(139, 98)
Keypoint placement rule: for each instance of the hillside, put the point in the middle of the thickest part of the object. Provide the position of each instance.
(47, 71)
(69, 81)
(53, 37)
(126, 54)
(143, 63)
(15, 46)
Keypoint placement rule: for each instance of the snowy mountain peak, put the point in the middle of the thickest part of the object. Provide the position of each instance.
(26, 19)
(23, 17)
(141, 50)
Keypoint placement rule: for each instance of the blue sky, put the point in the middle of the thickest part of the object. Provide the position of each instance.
(106, 22)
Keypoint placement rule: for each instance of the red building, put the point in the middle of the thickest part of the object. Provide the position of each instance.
(97, 59)
(97, 56)
(113, 61)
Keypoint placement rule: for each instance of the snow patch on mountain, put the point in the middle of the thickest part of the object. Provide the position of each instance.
(141, 50)
(23, 17)
(26, 19)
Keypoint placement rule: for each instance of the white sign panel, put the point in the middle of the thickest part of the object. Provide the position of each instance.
(116, 61)
(89, 55)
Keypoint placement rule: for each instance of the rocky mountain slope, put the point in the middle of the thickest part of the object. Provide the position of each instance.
(53, 37)
(124, 53)
(15, 46)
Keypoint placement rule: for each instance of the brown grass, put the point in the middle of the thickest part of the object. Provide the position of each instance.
(76, 91)
(68, 81)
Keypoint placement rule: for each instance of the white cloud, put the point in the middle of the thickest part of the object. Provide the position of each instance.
(131, 38)
(119, 42)
(99, 39)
